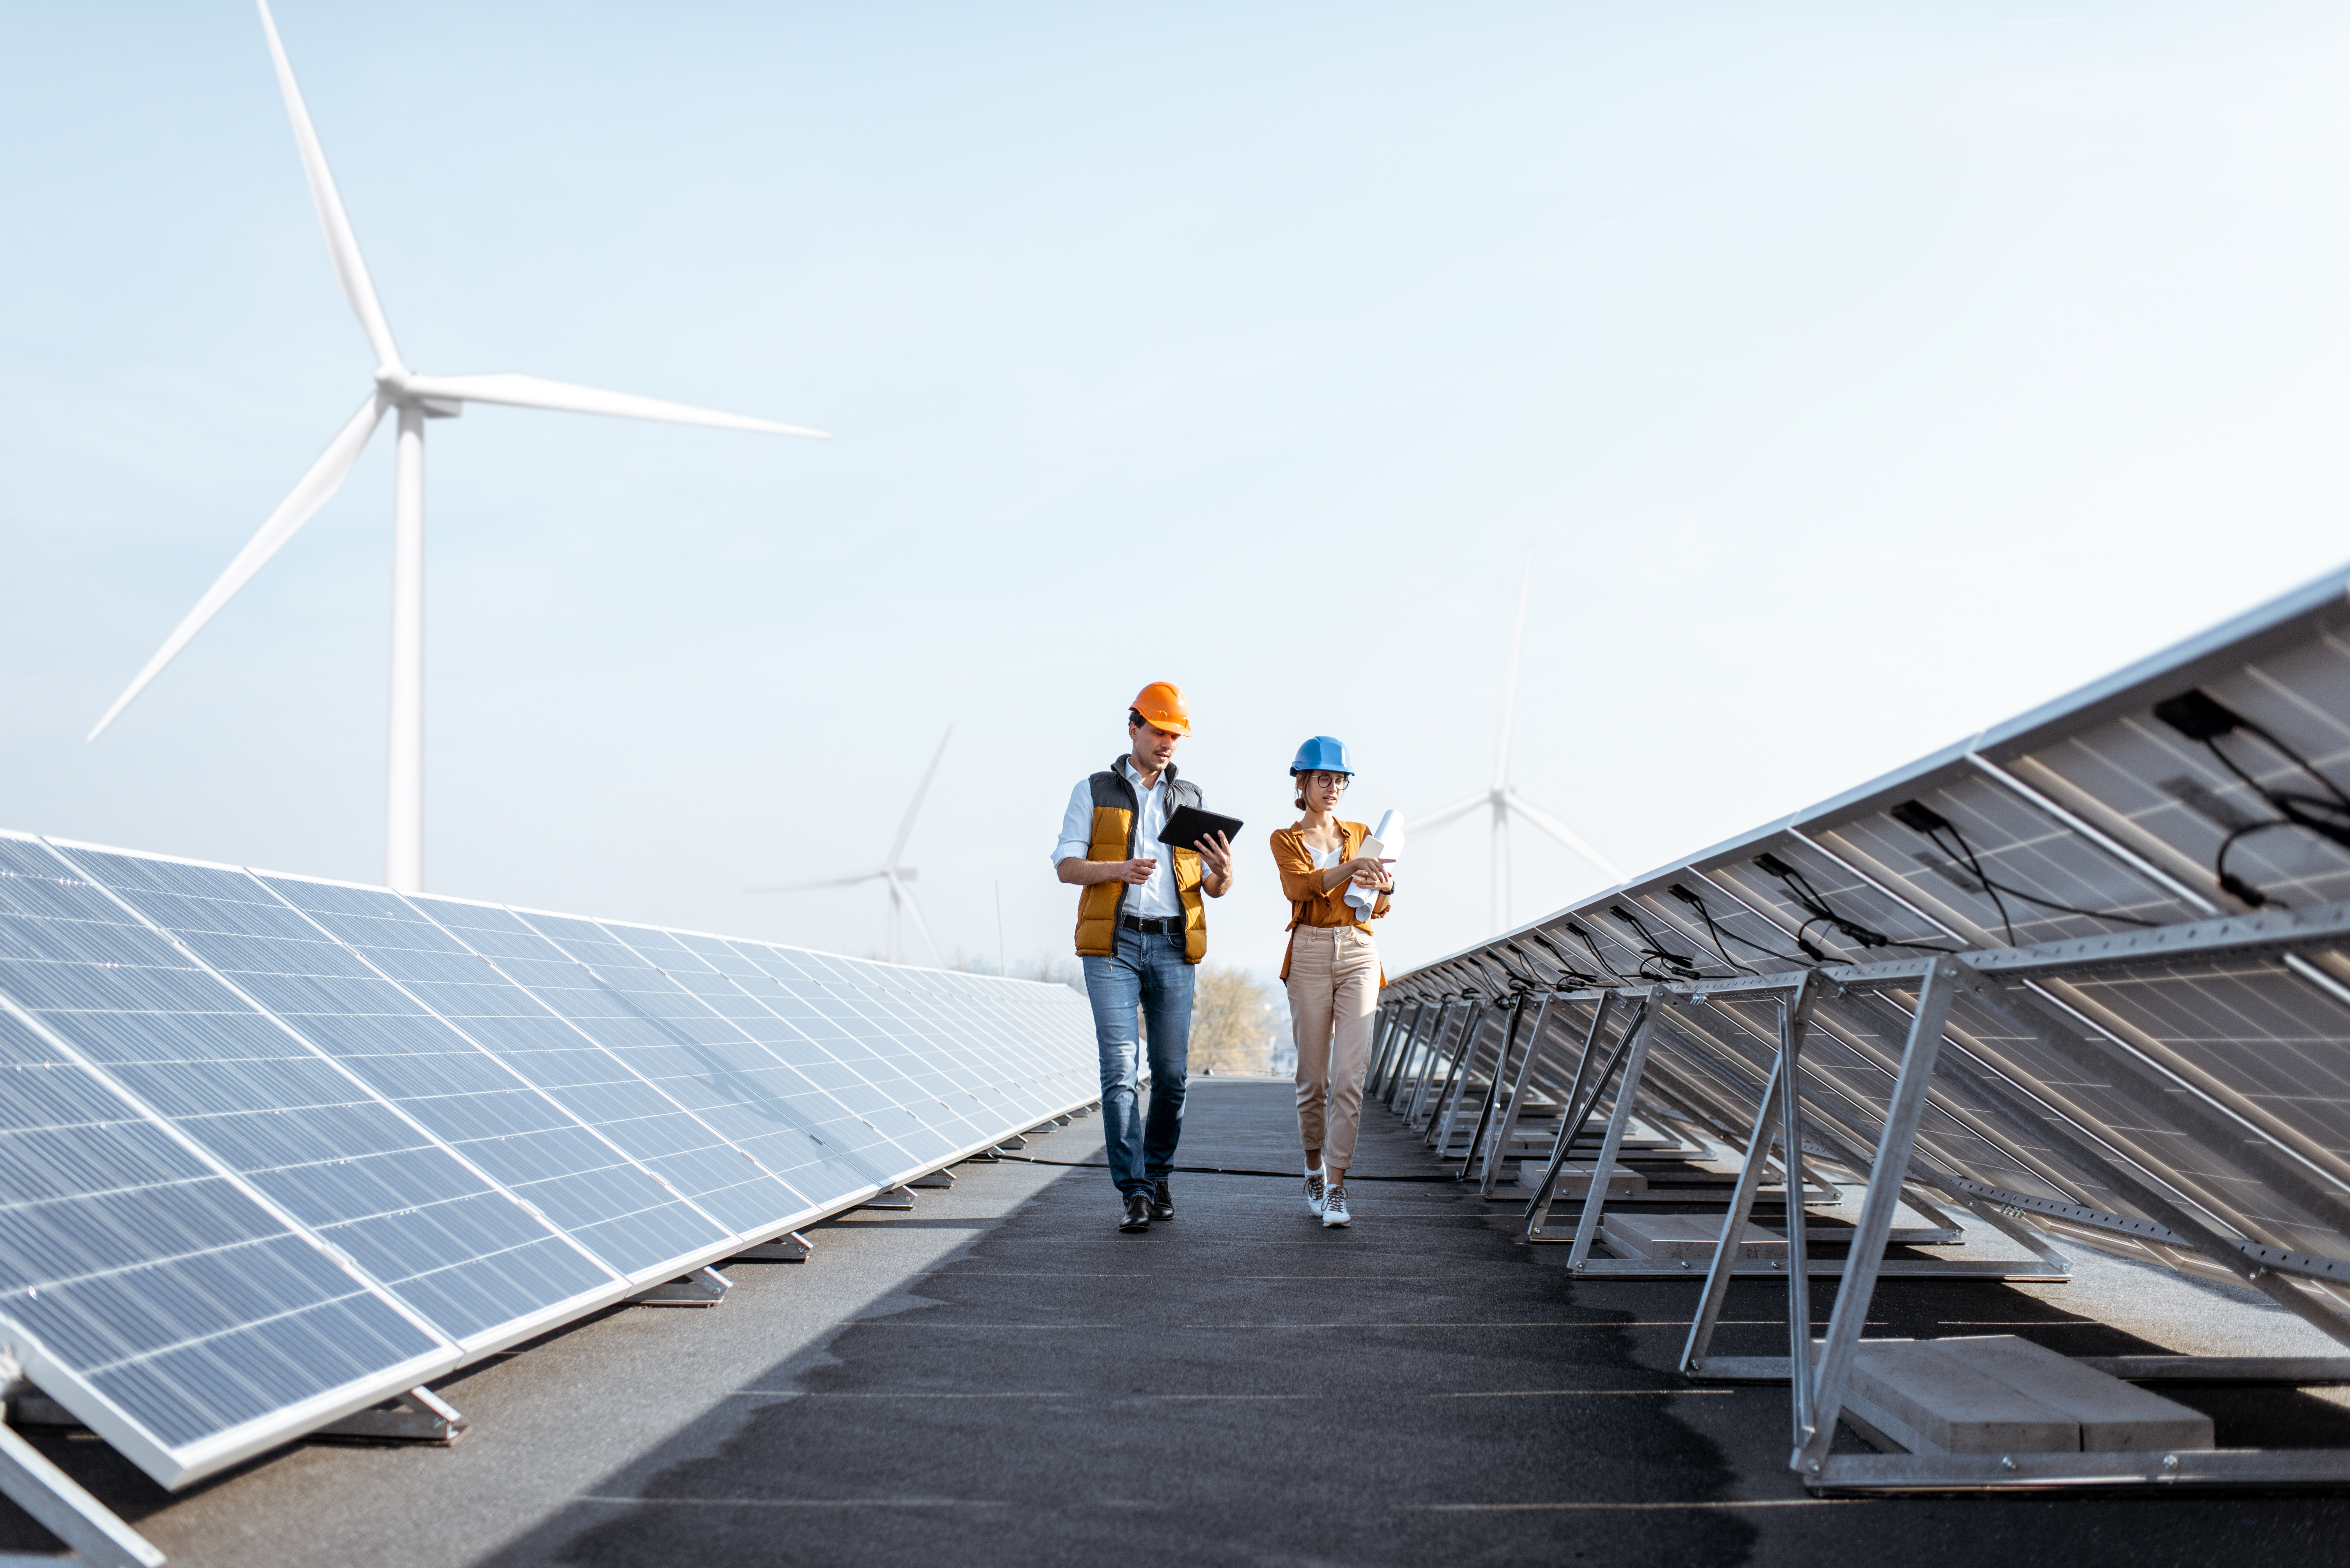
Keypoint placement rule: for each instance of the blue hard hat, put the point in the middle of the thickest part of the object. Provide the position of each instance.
(1323, 754)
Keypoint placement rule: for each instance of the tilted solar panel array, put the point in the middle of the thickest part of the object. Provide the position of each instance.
(273, 1149)
(2207, 785)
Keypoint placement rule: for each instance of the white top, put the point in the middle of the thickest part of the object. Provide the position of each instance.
(1359, 900)
(1154, 900)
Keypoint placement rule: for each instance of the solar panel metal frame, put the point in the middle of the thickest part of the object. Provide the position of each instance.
(2167, 1077)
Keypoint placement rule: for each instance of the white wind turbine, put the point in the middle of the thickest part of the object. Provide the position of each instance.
(901, 898)
(1505, 800)
(416, 398)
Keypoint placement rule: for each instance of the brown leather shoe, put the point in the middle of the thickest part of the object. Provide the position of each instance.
(1137, 1213)
(1162, 1201)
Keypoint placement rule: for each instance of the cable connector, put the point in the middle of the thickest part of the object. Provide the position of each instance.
(2236, 887)
(1920, 816)
(2198, 716)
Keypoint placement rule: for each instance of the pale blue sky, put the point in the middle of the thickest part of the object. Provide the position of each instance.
(1857, 374)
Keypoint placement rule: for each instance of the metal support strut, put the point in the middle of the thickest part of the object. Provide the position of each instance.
(1869, 1233)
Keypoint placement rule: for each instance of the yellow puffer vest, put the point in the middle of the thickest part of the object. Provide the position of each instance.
(1116, 812)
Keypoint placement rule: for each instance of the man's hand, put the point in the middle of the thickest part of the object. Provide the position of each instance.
(1135, 873)
(1217, 851)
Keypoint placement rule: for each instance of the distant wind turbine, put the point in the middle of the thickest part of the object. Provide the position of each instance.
(416, 398)
(1505, 800)
(901, 898)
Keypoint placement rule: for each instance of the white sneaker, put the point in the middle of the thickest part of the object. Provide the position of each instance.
(1334, 1207)
(1313, 1192)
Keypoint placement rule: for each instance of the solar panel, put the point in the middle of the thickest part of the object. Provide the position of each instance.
(268, 1105)
(614, 1159)
(136, 1269)
(611, 1214)
(730, 981)
(469, 963)
(720, 1071)
(2134, 904)
(276, 1148)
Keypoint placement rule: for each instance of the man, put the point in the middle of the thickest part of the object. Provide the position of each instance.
(1141, 928)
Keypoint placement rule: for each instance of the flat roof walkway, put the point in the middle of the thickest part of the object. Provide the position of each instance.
(1001, 1376)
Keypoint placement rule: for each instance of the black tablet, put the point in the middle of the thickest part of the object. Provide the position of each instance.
(1190, 824)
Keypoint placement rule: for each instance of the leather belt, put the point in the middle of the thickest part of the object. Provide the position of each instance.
(1161, 926)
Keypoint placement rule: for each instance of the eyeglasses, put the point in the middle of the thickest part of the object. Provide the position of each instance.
(1330, 781)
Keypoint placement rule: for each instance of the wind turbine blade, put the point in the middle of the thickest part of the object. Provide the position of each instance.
(827, 882)
(907, 894)
(342, 245)
(905, 829)
(1420, 825)
(1563, 834)
(537, 392)
(1510, 681)
(325, 477)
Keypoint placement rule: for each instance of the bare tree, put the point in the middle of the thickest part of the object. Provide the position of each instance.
(1232, 1021)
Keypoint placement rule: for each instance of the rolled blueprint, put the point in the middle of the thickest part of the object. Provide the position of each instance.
(1386, 844)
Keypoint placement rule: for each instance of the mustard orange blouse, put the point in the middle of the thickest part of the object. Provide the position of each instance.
(1301, 882)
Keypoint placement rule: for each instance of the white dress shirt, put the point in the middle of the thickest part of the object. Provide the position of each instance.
(1153, 899)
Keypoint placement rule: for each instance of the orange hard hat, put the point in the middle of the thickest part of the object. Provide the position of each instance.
(1162, 704)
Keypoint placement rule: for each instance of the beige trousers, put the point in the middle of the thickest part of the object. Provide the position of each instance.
(1334, 987)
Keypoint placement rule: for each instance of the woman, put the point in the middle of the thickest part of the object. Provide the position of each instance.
(1332, 967)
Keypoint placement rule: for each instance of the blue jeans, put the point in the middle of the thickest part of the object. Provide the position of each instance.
(1146, 969)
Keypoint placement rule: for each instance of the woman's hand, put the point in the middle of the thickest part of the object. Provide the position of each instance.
(1365, 871)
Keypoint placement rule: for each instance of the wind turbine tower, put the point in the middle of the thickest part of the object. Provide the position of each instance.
(415, 398)
(901, 898)
(1500, 798)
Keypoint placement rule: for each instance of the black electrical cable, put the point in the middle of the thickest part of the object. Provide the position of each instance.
(1585, 937)
(2231, 883)
(1812, 954)
(1925, 820)
(1808, 898)
(1655, 951)
(2200, 717)
(1566, 969)
(1712, 931)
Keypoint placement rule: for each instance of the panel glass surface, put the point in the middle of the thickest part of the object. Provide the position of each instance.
(719, 1071)
(934, 1001)
(256, 1098)
(757, 1004)
(815, 1004)
(150, 1278)
(961, 1076)
(942, 1077)
(622, 1080)
(333, 995)
(636, 1128)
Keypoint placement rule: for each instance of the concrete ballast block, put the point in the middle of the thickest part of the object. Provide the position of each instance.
(1932, 1401)
(2114, 1415)
(1575, 1180)
(1685, 1236)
